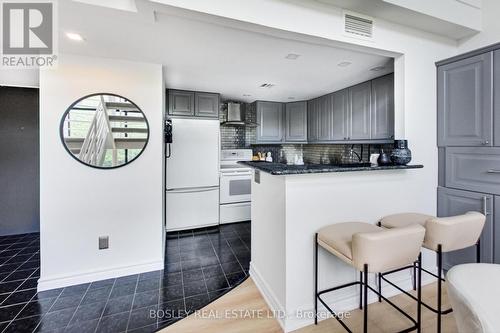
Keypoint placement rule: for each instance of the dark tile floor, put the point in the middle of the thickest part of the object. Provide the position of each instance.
(200, 266)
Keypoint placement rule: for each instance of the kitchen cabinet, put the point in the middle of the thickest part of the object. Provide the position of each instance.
(465, 110)
(455, 202)
(180, 103)
(312, 120)
(340, 111)
(193, 104)
(473, 168)
(496, 89)
(324, 121)
(496, 228)
(296, 122)
(359, 118)
(270, 118)
(206, 105)
(382, 110)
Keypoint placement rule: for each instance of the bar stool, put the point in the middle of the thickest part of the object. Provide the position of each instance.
(443, 234)
(369, 249)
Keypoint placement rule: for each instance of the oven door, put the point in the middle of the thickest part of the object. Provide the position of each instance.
(235, 186)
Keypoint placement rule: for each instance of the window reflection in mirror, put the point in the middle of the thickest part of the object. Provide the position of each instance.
(104, 130)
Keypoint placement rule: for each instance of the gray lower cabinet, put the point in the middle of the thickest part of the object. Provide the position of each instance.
(181, 103)
(465, 110)
(270, 118)
(296, 122)
(455, 202)
(496, 228)
(206, 105)
(382, 110)
(473, 168)
(496, 85)
(340, 111)
(359, 117)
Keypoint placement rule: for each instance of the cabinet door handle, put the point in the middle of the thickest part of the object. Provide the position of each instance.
(493, 171)
(485, 142)
(485, 206)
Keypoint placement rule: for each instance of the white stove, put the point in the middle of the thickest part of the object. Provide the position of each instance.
(235, 186)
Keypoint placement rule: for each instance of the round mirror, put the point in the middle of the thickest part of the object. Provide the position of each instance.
(104, 130)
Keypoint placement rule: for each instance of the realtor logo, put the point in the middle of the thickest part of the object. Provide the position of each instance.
(28, 34)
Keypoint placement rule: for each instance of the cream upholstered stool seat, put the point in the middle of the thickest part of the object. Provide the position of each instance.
(473, 290)
(365, 247)
(443, 234)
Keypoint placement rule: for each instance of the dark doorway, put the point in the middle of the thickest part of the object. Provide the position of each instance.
(19, 161)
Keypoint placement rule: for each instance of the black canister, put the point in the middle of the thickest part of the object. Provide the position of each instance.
(401, 155)
(384, 158)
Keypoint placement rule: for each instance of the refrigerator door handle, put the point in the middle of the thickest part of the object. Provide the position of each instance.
(192, 189)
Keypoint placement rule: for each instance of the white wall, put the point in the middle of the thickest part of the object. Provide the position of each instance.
(491, 29)
(79, 203)
(19, 77)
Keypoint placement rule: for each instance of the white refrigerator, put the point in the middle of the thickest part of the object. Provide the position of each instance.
(192, 185)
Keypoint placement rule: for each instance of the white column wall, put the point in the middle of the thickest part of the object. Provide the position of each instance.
(79, 203)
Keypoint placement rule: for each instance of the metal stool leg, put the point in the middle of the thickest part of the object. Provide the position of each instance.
(414, 276)
(360, 290)
(419, 294)
(478, 251)
(365, 310)
(316, 279)
(439, 300)
(379, 275)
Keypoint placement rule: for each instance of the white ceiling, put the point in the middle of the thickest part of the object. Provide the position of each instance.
(204, 56)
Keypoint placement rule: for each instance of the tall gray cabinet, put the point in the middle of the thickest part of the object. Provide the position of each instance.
(468, 131)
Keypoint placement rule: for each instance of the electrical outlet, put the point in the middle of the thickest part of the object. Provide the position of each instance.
(103, 242)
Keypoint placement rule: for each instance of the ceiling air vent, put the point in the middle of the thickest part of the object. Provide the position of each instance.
(358, 25)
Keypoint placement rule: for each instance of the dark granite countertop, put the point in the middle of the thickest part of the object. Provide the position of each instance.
(284, 169)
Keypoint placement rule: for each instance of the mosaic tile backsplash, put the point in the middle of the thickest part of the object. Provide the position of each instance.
(233, 137)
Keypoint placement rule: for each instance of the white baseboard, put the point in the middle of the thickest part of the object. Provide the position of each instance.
(47, 283)
(346, 303)
(268, 294)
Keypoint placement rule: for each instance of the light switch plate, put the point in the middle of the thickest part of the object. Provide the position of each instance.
(103, 242)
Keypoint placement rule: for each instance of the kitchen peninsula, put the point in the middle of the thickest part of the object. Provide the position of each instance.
(287, 210)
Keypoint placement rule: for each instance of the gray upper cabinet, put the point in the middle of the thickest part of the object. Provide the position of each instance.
(270, 120)
(325, 113)
(496, 85)
(312, 120)
(382, 118)
(206, 105)
(340, 101)
(455, 202)
(465, 110)
(180, 103)
(359, 118)
(296, 122)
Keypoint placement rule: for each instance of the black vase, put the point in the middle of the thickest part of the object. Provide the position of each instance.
(384, 158)
(401, 155)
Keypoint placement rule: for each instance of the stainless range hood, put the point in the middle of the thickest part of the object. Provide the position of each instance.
(235, 116)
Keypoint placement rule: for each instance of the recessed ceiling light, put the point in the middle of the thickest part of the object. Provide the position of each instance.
(377, 69)
(74, 36)
(246, 95)
(266, 85)
(291, 97)
(344, 63)
(292, 56)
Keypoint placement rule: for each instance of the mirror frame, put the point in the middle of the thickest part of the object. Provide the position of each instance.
(61, 131)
